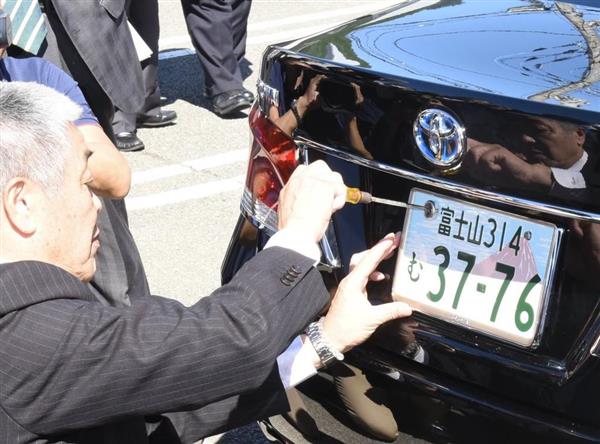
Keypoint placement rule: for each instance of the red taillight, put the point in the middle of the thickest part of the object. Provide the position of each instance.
(273, 158)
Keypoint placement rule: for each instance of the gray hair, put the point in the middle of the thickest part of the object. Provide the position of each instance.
(34, 139)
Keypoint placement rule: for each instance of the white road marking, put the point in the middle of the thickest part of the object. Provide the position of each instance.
(274, 37)
(261, 38)
(179, 195)
(189, 166)
(173, 54)
(290, 34)
(257, 35)
(367, 7)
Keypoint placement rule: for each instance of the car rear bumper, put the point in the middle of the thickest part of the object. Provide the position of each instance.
(426, 403)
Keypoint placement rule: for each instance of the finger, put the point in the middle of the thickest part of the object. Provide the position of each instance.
(372, 258)
(318, 168)
(397, 238)
(339, 195)
(377, 276)
(477, 150)
(390, 310)
(473, 143)
(356, 258)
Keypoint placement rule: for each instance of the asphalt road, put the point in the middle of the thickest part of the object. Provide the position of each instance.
(187, 182)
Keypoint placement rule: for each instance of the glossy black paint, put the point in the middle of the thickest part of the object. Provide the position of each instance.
(523, 77)
(519, 49)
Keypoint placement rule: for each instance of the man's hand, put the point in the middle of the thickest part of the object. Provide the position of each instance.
(351, 319)
(500, 166)
(308, 200)
(310, 98)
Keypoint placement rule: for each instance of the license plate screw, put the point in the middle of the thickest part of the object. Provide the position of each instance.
(527, 235)
(430, 209)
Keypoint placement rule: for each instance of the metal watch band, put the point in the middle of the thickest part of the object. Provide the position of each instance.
(326, 354)
(294, 108)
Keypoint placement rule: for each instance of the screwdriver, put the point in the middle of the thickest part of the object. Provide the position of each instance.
(355, 196)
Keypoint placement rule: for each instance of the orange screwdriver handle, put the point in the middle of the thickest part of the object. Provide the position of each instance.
(355, 196)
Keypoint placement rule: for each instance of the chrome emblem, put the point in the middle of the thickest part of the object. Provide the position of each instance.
(440, 137)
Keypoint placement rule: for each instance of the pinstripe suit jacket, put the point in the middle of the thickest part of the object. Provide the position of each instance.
(73, 370)
(98, 30)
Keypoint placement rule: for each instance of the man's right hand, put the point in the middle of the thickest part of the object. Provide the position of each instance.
(500, 166)
(308, 200)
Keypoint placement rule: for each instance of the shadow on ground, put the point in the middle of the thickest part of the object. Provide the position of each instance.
(182, 78)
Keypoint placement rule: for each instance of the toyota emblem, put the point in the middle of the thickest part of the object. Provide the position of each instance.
(440, 137)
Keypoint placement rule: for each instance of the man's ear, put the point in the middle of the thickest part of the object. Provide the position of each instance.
(20, 199)
(580, 136)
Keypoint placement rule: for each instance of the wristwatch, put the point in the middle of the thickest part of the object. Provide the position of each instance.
(294, 108)
(327, 354)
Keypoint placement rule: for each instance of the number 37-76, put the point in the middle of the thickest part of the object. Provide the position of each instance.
(524, 314)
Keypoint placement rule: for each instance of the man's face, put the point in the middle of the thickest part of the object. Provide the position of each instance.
(70, 230)
(551, 143)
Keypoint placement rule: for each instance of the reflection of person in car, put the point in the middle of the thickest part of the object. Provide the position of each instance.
(583, 255)
(541, 154)
(292, 118)
(355, 139)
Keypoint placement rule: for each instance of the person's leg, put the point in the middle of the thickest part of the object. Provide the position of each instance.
(125, 128)
(365, 404)
(152, 114)
(143, 15)
(239, 20)
(209, 23)
(123, 122)
(239, 23)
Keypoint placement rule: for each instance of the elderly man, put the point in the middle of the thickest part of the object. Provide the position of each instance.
(540, 155)
(75, 370)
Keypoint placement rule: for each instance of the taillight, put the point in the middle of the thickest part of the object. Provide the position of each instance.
(273, 158)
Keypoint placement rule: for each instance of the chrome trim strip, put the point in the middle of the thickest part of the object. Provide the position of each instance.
(267, 95)
(596, 348)
(328, 244)
(526, 204)
(549, 279)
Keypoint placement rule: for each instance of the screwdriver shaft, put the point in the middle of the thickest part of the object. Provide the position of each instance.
(356, 196)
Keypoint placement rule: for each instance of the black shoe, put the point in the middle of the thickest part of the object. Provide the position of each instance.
(248, 94)
(164, 117)
(127, 142)
(231, 101)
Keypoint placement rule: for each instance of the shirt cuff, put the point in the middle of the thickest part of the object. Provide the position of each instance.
(86, 121)
(295, 365)
(568, 179)
(292, 240)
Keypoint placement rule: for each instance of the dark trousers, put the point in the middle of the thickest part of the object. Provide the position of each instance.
(218, 29)
(143, 15)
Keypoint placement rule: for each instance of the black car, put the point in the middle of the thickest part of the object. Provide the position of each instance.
(488, 114)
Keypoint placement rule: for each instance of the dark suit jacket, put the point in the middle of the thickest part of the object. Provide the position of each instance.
(99, 32)
(73, 370)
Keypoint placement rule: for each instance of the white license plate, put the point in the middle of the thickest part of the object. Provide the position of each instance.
(484, 269)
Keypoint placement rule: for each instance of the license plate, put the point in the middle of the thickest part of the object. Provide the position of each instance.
(480, 268)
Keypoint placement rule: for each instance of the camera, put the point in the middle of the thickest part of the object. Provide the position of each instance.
(5, 30)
